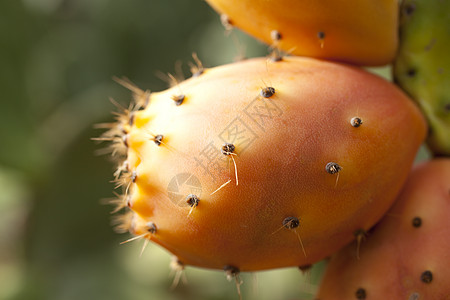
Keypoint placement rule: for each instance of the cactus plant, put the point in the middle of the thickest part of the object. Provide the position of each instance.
(357, 32)
(259, 164)
(407, 255)
(422, 65)
(282, 161)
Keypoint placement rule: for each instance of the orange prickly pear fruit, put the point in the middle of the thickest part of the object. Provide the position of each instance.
(407, 256)
(259, 164)
(356, 32)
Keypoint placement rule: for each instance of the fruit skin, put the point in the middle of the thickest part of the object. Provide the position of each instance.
(422, 65)
(355, 32)
(410, 243)
(281, 161)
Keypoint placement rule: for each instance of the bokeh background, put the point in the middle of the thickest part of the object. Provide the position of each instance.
(57, 60)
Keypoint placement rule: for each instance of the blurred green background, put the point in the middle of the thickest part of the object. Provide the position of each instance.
(57, 60)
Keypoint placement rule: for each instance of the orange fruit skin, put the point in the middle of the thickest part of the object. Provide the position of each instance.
(356, 32)
(284, 145)
(396, 253)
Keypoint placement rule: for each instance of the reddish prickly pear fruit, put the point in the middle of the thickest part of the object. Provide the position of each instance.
(260, 164)
(407, 255)
(422, 64)
(356, 32)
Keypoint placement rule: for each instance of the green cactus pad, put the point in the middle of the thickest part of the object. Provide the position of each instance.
(422, 67)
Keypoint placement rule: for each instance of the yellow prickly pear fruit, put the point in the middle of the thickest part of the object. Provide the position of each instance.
(356, 32)
(259, 164)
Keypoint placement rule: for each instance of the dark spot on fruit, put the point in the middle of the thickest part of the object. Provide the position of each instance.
(267, 92)
(414, 296)
(321, 35)
(275, 35)
(305, 268)
(447, 107)
(176, 264)
(158, 139)
(429, 131)
(417, 222)
(231, 270)
(178, 99)
(228, 148)
(192, 200)
(151, 227)
(360, 233)
(125, 140)
(291, 222)
(333, 168)
(409, 8)
(411, 72)
(226, 22)
(121, 128)
(361, 294)
(426, 276)
(131, 120)
(356, 122)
